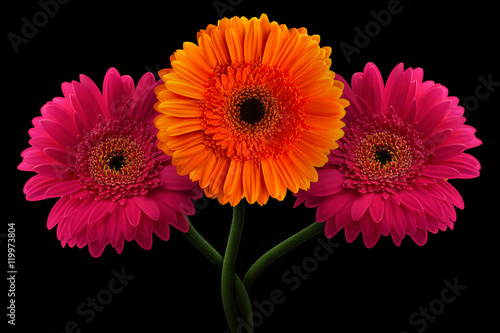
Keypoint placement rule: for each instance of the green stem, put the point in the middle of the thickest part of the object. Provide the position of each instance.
(214, 256)
(228, 267)
(201, 244)
(279, 250)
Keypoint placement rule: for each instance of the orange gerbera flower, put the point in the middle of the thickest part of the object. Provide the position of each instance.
(251, 110)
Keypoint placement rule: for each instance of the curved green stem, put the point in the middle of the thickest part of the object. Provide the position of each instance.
(201, 244)
(279, 250)
(228, 268)
(214, 256)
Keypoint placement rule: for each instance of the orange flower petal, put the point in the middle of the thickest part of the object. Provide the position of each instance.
(272, 181)
(316, 87)
(208, 50)
(253, 42)
(184, 88)
(185, 140)
(185, 108)
(233, 177)
(189, 72)
(234, 45)
(189, 158)
(273, 46)
(324, 107)
(219, 174)
(183, 126)
(251, 181)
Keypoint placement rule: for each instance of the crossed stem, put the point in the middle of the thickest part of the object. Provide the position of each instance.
(234, 291)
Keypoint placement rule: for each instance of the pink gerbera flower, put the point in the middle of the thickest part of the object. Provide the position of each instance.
(403, 141)
(98, 153)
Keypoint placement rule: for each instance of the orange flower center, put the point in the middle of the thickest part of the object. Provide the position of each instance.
(251, 112)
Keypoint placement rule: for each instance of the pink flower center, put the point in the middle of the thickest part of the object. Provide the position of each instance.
(118, 159)
(383, 154)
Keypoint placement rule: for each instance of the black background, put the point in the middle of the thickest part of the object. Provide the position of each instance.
(174, 287)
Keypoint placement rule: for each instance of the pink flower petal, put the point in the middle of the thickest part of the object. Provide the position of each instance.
(177, 200)
(62, 156)
(92, 230)
(143, 98)
(420, 237)
(181, 223)
(133, 212)
(59, 114)
(411, 221)
(59, 133)
(167, 213)
(173, 181)
(57, 212)
(441, 171)
(369, 231)
(432, 224)
(395, 86)
(102, 230)
(428, 202)
(116, 92)
(93, 96)
(144, 236)
(450, 192)
(343, 216)
(385, 225)
(421, 220)
(351, 231)
(96, 249)
(408, 199)
(428, 100)
(53, 170)
(162, 230)
(126, 227)
(433, 116)
(332, 204)
(398, 227)
(63, 188)
(36, 187)
(101, 208)
(80, 218)
(349, 95)
(412, 112)
(377, 208)
(436, 139)
(329, 182)
(371, 88)
(360, 205)
(466, 165)
(442, 153)
(81, 238)
(331, 227)
(116, 237)
(148, 206)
